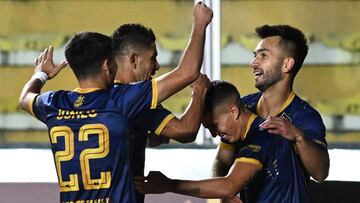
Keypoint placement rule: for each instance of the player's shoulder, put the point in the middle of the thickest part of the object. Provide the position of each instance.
(304, 108)
(50, 96)
(256, 134)
(251, 100)
(129, 88)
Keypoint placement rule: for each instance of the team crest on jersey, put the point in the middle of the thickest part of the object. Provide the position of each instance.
(284, 115)
(79, 101)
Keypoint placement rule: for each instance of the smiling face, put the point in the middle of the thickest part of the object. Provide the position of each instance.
(147, 64)
(224, 123)
(267, 63)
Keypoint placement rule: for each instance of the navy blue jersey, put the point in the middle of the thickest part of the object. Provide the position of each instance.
(298, 112)
(295, 110)
(88, 135)
(281, 178)
(149, 121)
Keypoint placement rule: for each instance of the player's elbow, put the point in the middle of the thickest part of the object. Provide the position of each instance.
(229, 191)
(323, 171)
(321, 176)
(185, 137)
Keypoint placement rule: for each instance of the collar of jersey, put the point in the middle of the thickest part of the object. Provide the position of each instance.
(250, 121)
(285, 104)
(86, 90)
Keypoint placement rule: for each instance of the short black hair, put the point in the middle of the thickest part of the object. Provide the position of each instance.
(132, 36)
(219, 92)
(86, 51)
(292, 40)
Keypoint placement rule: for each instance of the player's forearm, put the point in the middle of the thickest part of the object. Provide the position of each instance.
(191, 61)
(30, 91)
(191, 119)
(315, 160)
(184, 129)
(210, 188)
(188, 69)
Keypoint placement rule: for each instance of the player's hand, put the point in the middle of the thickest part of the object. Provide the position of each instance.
(45, 63)
(201, 83)
(281, 126)
(154, 183)
(235, 199)
(202, 14)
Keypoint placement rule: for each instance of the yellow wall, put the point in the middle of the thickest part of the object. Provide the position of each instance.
(103, 16)
(332, 89)
(238, 17)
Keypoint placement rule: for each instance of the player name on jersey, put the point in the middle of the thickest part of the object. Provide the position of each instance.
(65, 114)
(105, 200)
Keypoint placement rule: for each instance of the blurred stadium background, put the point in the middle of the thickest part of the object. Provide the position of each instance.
(328, 80)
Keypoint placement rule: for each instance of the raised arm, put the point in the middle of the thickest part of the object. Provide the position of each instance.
(225, 187)
(315, 160)
(189, 67)
(44, 70)
(184, 129)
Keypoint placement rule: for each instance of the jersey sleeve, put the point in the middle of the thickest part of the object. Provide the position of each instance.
(313, 128)
(227, 146)
(40, 105)
(154, 120)
(133, 98)
(253, 151)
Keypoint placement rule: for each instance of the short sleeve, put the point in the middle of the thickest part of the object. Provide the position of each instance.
(154, 120)
(254, 151)
(40, 105)
(313, 128)
(227, 146)
(135, 97)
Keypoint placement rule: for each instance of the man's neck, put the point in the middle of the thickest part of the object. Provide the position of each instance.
(125, 75)
(244, 119)
(97, 82)
(274, 98)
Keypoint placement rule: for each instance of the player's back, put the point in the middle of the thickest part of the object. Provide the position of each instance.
(88, 137)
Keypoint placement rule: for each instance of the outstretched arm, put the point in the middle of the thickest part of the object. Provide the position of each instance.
(44, 70)
(225, 187)
(189, 67)
(185, 128)
(315, 160)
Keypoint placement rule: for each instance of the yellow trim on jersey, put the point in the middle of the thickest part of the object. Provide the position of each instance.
(31, 106)
(227, 146)
(155, 93)
(117, 81)
(250, 160)
(286, 104)
(86, 90)
(250, 121)
(258, 106)
(162, 125)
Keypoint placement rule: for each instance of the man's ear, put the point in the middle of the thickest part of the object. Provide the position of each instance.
(288, 64)
(235, 111)
(133, 57)
(106, 64)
